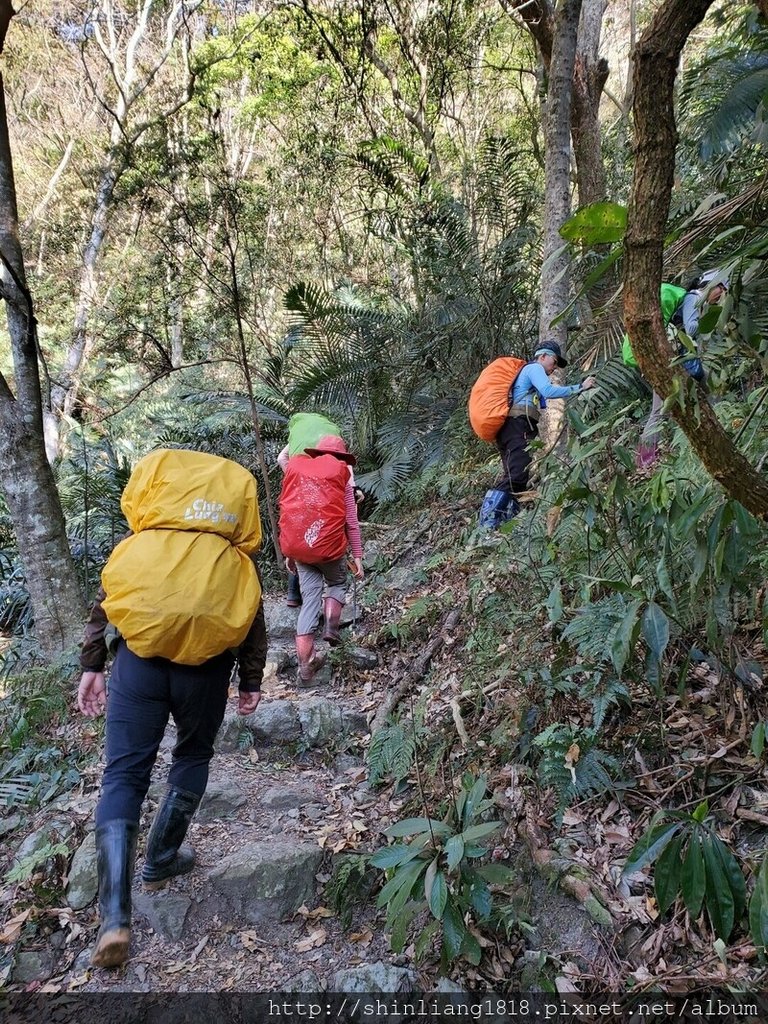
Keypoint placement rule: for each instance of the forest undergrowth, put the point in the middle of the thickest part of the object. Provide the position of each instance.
(583, 692)
(607, 679)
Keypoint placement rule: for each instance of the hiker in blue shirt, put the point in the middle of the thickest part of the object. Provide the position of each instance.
(529, 395)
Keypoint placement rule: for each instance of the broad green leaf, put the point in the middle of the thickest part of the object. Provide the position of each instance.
(480, 898)
(622, 641)
(758, 908)
(390, 856)
(693, 877)
(475, 798)
(438, 896)
(472, 850)
(429, 877)
(425, 938)
(709, 319)
(496, 874)
(470, 948)
(402, 896)
(702, 810)
(415, 826)
(650, 846)
(454, 851)
(666, 875)
(655, 629)
(555, 604)
(596, 224)
(757, 746)
(720, 906)
(404, 878)
(665, 584)
(454, 930)
(402, 923)
(735, 878)
(478, 831)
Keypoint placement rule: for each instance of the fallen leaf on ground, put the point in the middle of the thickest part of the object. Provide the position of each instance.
(12, 930)
(316, 938)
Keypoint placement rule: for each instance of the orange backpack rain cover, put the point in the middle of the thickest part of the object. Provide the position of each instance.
(183, 586)
(489, 397)
(312, 511)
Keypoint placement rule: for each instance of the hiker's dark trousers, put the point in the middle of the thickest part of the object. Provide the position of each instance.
(142, 694)
(512, 441)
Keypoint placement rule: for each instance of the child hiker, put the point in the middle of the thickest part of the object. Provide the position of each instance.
(318, 523)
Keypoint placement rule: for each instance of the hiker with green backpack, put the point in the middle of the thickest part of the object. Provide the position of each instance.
(306, 429)
(681, 310)
(318, 524)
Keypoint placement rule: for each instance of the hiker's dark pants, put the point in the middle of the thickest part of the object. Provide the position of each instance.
(142, 693)
(512, 441)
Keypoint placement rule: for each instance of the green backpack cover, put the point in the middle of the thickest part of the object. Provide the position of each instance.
(305, 429)
(671, 297)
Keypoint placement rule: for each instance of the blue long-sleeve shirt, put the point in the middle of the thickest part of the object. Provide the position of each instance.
(690, 311)
(532, 387)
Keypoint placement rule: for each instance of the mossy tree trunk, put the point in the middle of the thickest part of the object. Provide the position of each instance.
(656, 59)
(26, 477)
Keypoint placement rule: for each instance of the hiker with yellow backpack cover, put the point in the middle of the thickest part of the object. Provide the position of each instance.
(183, 592)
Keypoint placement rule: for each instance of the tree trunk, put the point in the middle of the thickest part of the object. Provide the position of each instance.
(64, 394)
(25, 473)
(555, 280)
(655, 69)
(589, 77)
(555, 277)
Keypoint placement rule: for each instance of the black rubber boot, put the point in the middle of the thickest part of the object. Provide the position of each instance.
(115, 856)
(165, 856)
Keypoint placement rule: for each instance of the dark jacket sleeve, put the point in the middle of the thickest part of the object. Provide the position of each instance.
(252, 656)
(93, 652)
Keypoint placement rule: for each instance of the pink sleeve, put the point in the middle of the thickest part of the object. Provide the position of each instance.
(353, 523)
(282, 458)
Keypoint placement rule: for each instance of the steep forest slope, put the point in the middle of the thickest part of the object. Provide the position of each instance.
(565, 677)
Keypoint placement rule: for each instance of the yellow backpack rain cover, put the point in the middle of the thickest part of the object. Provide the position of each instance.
(183, 586)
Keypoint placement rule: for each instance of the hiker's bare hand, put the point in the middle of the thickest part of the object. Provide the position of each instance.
(358, 572)
(589, 383)
(92, 694)
(248, 702)
(290, 565)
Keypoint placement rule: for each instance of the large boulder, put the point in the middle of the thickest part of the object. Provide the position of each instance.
(376, 977)
(284, 798)
(323, 720)
(268, 880)
(220, 800)
(83, 883)
(274, 721)
(279, 618)
(234, 734)
(166, 912)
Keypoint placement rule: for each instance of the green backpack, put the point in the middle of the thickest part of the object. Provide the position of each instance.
(671, 300)
(305, 429)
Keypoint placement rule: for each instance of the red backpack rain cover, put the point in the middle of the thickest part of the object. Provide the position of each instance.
(312, 511)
